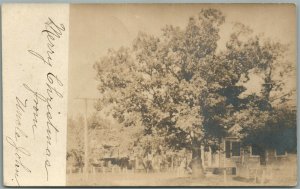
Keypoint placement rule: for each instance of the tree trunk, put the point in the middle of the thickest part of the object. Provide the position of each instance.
(196, 163)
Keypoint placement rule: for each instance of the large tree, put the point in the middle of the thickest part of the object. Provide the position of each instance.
(179, 85)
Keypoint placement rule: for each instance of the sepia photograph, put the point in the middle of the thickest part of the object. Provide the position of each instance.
(182, 95)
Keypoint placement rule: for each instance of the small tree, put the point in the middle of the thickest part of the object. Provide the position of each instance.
(75, 141)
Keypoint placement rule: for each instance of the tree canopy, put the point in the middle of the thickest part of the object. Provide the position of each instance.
(183, 87)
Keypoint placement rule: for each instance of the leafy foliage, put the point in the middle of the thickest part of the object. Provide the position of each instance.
(180, 88)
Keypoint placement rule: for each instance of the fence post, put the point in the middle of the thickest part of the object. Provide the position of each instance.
(225, 175)
(263, 176)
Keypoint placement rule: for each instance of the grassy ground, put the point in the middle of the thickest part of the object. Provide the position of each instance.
(135, 179)
(282, 174)
(160, 179)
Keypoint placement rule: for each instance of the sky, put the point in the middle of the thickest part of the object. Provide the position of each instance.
(96, 28)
